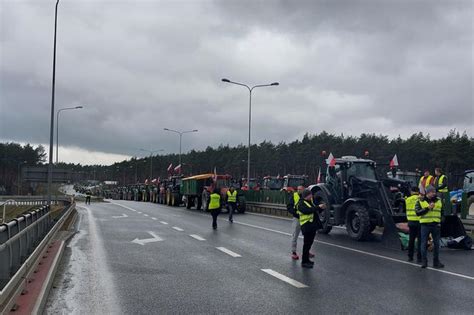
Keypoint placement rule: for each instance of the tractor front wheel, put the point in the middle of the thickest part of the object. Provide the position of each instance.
(358, 222)
(325, 214)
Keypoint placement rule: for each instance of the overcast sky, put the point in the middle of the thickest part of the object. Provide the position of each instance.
(352, 67)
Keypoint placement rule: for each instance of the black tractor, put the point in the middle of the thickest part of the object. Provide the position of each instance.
(356, 199)
(173, 195)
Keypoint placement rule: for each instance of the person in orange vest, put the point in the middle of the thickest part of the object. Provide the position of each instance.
(425, 181)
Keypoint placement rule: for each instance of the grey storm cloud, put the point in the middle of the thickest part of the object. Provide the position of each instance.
(391, 67)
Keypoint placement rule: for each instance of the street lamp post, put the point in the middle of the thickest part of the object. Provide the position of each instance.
(250, 113)
(51, 129)
(19, 178)
(151, 159)
(180, 138)
(57, 127)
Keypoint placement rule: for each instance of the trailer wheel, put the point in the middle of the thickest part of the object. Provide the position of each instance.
(358, 222)
(324, 215)
(199, 203)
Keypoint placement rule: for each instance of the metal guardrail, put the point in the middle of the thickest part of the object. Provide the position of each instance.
(21, 242)
(276, 209)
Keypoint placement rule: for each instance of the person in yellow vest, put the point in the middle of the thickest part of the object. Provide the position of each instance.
(414, 226)
(429, 211)
(231, 202)
(293, 200)
(441, 183)
(425, 181)
(215, 206)
(310, 223)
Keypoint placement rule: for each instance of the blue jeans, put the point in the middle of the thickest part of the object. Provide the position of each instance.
(426, 229)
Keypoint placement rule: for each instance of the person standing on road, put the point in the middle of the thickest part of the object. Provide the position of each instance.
(88, 198)
(215, 206)
(293, 201)
(441, 184)
(231, 202)
(425, 181)
(414, 226)
(310, 223)
(429, 210)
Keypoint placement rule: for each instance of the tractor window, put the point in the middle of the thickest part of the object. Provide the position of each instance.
(362, 170)
(469, 180)
(295, 182)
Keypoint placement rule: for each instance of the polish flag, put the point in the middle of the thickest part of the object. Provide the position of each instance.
(170, 167)
(177, 169)
(318, 180)
(154, 181)
(331, 160)
(215, 174)
(394, 162)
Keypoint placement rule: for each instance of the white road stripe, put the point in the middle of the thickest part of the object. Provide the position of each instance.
(228, 252)
(139, 212)
(146, 215)
(178, 228)
(154, 218)
(284, 278)
(163, 222)
(363, 252)
(197, 237)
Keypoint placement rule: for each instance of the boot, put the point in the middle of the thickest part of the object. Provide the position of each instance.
(424, 264)
(438, 265)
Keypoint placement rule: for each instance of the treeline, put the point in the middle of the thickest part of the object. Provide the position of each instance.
(453, 153)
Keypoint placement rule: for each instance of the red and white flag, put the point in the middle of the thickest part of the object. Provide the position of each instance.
(331, 160)
(177, 169)
(154, 181)
(318, 179)
(170, 167)
(215, 174)
(146, 181)
(394, 162)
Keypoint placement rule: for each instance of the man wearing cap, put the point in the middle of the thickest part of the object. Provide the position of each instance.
(429, 211)
(310, 223)
(296, 228)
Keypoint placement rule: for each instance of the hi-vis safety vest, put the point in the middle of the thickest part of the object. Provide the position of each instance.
(410, 204)
(215, 202)
(296, 199)
(428, 181)
(439, 182)
(304, 218)
(434, 215)
(232, 196)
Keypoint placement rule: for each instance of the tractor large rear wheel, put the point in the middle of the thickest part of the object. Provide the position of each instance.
(358, 222)
(324, 215)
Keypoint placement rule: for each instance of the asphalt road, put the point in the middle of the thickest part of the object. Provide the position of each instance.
(142, 258)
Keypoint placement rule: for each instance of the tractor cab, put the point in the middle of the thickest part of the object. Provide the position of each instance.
(251, 184)
(410, 177)
(273, 182)
(291, 182)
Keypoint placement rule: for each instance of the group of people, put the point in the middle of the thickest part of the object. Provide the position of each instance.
(424, 213)
(215, 204)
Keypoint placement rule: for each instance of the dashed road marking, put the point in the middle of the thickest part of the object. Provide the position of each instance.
(163, 222)
(139, 212)
(228, 252)
(284, 278)
(154, 218)
(197, 237)
(178, 229)
(146, 215)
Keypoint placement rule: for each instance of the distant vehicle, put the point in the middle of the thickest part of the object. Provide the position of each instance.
(468, 187)
(173, 194)
(411, 177)
(252, 184)
(273, 182)
(291, 182)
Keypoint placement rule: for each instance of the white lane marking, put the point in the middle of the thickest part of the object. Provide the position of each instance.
(146, 215)
(178, 228)
(284, 278)
(154, 218)
(195, 236)
(139, 212)
(363, 252)
(163, 222)
(270, 216)
(117, 204)
(228, 252)
(142, 242)
(120, 216)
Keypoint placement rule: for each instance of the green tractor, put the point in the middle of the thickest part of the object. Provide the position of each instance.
(173, 195)
(356, 199)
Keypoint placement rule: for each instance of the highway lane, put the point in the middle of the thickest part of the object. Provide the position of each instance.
(189, 274)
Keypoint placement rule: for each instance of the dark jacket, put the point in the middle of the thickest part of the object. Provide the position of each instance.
(312, 208)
